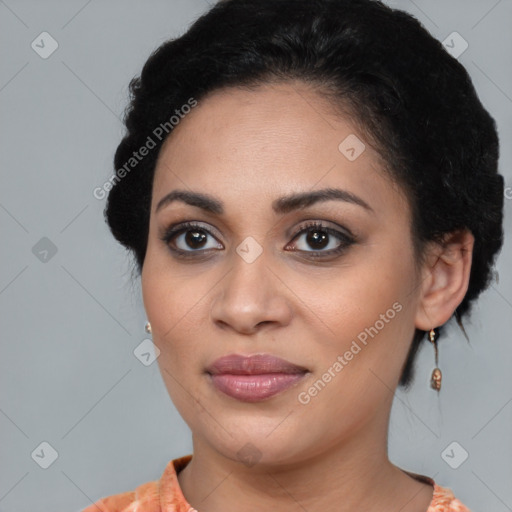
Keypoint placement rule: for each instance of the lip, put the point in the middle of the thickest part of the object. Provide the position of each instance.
(254, 378)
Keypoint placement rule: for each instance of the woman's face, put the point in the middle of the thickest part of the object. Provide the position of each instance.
(328, 285)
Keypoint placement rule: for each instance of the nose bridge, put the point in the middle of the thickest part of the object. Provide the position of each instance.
(250, 292)
(248, 278)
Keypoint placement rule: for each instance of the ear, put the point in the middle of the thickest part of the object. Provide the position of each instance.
(445, 279)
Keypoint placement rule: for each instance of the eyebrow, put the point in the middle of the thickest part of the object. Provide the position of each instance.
(280, 206)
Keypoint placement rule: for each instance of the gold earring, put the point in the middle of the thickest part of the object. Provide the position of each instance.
(147, 327)
(437, 376)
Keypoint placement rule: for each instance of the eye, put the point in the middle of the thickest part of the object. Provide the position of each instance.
(189, 237)
(323, 240)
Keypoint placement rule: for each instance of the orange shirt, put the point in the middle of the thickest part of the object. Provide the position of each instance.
(165, 495)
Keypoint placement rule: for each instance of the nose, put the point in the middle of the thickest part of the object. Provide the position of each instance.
(250, 297)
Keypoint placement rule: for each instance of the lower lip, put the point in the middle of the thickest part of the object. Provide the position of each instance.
(254, 388)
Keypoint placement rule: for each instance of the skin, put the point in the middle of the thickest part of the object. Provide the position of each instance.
(246, 149)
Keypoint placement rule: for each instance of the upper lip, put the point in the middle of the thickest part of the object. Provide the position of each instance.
(257, 364)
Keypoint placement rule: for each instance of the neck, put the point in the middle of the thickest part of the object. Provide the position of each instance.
(355, 474)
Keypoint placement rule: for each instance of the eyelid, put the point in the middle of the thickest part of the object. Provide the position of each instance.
(324, 224)
(177, 227)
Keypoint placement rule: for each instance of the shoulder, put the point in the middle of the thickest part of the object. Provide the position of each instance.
(145, 497)
(443, 500)
(149, 496)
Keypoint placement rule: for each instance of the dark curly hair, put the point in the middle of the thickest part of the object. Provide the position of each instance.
(415, 103)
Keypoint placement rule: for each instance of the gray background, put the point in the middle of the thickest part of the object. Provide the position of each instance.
(71, 320)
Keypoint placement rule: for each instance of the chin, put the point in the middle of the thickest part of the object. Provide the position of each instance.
(258, 443)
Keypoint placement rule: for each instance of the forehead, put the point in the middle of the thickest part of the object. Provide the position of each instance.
(243, 144)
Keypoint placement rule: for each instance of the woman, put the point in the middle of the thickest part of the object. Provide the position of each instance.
(307, 199)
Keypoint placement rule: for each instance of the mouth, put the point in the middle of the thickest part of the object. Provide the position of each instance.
(254, 378)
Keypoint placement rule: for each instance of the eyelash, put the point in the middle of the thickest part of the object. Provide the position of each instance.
(346, 240)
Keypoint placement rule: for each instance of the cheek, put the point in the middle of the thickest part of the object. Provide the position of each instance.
(353, 298)
(364, 312)
(358, 367)
(172, 292)
(166, 305)
(173, 306)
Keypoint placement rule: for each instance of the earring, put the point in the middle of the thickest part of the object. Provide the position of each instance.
(437, 376)
(147, 327)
